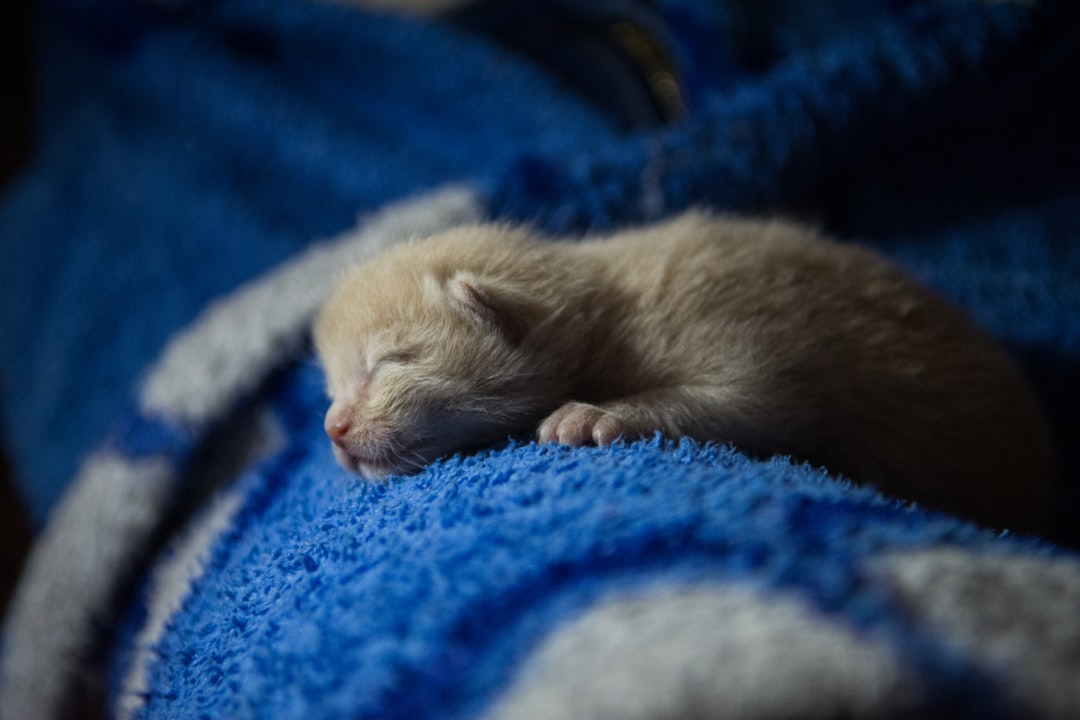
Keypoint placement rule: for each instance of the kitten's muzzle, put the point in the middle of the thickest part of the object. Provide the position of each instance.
(370, 468)
(337, 429)
(363, 449)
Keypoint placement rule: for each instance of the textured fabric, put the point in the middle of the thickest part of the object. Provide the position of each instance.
(335, 597)
(201, 424)
(185, 148)
(188, 146)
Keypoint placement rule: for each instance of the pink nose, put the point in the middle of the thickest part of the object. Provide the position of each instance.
(337, 429)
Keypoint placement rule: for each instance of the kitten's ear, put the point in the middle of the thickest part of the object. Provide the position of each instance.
(492, 307)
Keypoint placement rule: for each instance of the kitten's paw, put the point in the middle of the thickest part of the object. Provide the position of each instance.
(578, 423)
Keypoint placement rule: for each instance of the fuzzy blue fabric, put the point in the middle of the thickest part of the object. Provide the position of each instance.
(183, 150)
(187, 146)
(332, 597)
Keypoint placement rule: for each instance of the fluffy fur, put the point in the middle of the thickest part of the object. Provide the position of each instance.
(758, 333)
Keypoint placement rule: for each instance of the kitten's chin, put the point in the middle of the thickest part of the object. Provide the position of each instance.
(369, 468)
(373, 473)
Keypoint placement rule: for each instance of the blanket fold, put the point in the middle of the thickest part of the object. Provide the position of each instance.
(206, 168)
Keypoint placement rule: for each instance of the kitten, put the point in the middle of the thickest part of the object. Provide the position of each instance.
(757, 333)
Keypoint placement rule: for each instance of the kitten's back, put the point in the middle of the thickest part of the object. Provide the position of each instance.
(859, 366)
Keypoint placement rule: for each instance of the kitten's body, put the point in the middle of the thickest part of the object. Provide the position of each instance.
(757, 333)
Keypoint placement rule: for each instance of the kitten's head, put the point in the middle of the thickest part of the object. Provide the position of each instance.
(424, 357)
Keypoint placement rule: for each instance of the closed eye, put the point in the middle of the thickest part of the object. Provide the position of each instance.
(401, 357)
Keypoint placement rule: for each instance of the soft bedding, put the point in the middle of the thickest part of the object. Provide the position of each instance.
(204, 168)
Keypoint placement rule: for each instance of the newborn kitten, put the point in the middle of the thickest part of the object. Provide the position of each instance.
(757, 333)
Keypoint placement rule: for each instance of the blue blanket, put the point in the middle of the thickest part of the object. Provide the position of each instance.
(200, 168)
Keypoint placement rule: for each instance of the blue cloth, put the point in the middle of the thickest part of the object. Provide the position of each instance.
(185, 147)
(182, 151)
(334, 597)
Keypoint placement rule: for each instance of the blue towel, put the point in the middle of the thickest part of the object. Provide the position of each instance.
(184, 150)
(211, 558)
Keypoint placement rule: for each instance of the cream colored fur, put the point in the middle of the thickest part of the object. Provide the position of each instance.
(758, 333)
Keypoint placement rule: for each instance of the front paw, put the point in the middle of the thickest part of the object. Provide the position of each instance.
(578, 423)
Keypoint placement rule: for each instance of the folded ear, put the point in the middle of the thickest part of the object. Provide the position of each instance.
(497, 308)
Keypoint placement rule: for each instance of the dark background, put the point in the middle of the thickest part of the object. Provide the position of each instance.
(14, 150)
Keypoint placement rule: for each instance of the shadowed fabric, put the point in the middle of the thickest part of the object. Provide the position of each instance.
(199, 170)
